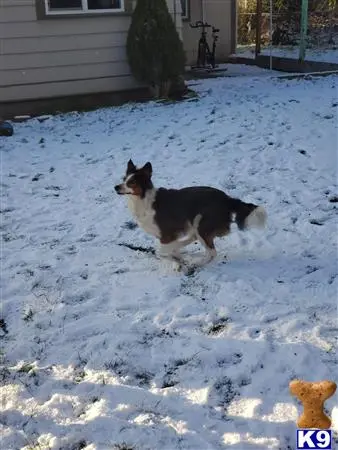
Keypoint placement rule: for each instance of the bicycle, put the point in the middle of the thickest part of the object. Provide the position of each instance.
(204, 55)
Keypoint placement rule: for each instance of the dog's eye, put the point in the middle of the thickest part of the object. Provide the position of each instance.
(132, 183)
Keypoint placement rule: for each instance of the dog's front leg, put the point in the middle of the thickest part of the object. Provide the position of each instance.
(172, 248)
(171, 251)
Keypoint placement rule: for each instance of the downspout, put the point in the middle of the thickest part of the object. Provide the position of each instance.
(203, 10)
(175, 20)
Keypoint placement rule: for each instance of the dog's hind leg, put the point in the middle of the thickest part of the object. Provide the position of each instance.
(206, 234)
(208, 244)
(207, 230)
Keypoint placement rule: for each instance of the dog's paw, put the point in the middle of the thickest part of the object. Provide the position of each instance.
(170, 266)
(178, 267)
(190, 270)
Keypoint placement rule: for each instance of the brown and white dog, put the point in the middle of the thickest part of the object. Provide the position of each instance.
(178, 217)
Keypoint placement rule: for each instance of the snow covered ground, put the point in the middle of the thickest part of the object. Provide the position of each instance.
(107, 348)
(328, 55)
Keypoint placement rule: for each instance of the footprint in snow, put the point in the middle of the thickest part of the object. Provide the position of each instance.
(254, 333)
(63, 226)
(84, 274)
(87, 237)
(37, 177)
(71, 250)
(332, 278)
(232, 360)
(7, 210)
(224, 392)
(333, 199)
(130, 225)
(52, 188)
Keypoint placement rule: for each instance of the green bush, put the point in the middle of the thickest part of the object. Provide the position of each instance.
(154, 48)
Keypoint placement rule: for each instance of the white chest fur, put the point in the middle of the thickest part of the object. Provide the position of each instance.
(143, 211)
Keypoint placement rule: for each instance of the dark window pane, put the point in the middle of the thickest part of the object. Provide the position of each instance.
(104, 4)
(184, 8)
(65, 4)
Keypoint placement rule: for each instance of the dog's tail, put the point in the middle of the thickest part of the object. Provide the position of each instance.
(248, 215)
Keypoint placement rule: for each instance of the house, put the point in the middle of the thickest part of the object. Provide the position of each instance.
(59, 54)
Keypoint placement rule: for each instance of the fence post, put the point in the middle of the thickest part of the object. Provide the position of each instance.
(271, 32)
(258, 27)
(303, 30)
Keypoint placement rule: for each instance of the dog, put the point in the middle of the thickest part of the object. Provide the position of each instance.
(179, 217)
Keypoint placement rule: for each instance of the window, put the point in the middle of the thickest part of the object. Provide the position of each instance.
(54, 7)
(185, 9)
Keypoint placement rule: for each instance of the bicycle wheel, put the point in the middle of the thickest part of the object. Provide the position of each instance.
(210, 58)
(201, 59)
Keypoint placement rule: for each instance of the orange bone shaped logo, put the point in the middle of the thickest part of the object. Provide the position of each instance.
(313, 396)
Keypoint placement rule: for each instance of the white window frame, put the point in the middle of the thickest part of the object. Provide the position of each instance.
(186, 15)
(84, 10)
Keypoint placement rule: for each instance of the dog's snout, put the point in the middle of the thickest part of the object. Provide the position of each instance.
(117, 188)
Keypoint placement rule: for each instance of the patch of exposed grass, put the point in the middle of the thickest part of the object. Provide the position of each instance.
(28, 315)
(219, 326)
(123, 446)
(26, 368)
(3, 326)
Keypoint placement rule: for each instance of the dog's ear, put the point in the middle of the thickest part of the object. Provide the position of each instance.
(147, 169)
(131, 167)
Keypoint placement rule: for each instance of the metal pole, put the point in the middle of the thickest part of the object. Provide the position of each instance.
(175, 19)
(270, 34)
(258, 27)
(303, 30)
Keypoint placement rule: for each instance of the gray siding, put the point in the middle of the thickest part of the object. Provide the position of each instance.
(60, 57)
(66, 56)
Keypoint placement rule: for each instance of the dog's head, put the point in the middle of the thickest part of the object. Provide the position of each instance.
(136, 181)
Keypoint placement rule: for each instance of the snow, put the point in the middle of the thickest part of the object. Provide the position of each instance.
(328, 55)
(106, 347)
